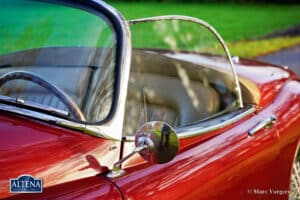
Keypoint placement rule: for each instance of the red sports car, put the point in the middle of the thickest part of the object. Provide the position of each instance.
(96, 107)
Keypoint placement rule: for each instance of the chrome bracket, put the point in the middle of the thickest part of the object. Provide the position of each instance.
(117, 170)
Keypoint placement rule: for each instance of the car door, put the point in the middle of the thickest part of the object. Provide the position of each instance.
(226, 163)
(229, 139)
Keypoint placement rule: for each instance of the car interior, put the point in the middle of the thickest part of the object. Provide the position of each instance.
(84, 74)
(160, 88)
(176, 91)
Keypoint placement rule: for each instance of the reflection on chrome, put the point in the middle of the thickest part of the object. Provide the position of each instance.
(156, 142)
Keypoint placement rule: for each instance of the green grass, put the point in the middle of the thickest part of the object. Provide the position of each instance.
(233, 22)
(49, 25)
(239, 25)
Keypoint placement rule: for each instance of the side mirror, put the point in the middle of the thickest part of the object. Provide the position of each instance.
(156, 142)
(161, 142)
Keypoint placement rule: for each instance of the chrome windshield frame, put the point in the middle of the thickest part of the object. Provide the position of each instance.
(113, 127)
(202, 23)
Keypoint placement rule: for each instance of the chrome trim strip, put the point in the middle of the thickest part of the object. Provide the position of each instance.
(195, 130)
(23, 112)
(41, 116)
(199, 130)
(210, 28)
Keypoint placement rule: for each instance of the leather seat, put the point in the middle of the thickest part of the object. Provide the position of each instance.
(165, 96)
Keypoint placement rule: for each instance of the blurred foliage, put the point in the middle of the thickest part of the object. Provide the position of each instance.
(216, 1)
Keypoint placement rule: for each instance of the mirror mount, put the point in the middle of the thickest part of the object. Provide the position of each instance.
(156, 142)
(117, 170)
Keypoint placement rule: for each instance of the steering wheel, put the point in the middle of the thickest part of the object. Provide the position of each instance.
(61, 95)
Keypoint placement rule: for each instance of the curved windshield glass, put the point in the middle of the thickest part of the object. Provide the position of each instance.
(180, 73)
(57, 59)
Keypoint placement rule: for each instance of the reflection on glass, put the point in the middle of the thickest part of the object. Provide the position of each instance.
(69, 48)
(180, 71)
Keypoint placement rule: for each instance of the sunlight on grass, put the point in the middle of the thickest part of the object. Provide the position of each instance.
(254, 48)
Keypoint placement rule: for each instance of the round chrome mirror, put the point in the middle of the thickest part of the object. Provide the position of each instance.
(158, 140)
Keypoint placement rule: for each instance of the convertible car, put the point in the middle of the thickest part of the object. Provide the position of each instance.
(96, 107)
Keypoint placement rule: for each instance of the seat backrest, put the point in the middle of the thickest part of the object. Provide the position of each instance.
(154, 96)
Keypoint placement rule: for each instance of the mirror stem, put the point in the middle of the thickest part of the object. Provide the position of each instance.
(117, 170)
(135, 150)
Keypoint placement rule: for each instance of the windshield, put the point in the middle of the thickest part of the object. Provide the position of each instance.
(180, 73)
(57, 57)
(185, 41)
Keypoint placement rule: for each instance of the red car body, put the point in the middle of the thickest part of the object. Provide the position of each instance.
(223, 164)
(227, 164)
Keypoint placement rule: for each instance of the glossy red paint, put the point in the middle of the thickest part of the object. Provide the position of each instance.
(230, 164)
(226, 164)
(267, 77)
(223, 164)
(56, 155)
